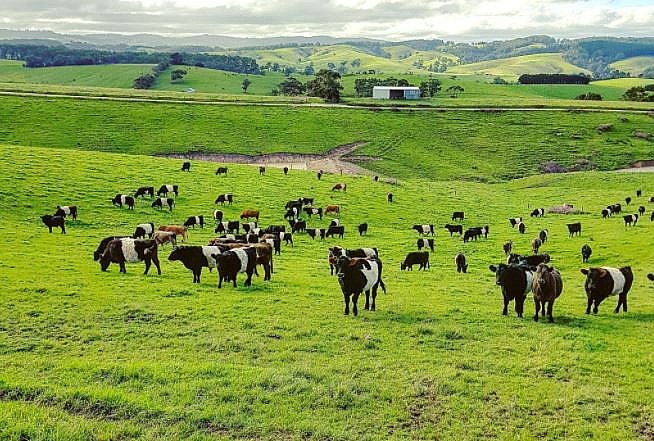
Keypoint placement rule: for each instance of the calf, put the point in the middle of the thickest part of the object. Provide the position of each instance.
(547, 287)
(522, 227)
(227, 197)
(538, 212)
(329, 209)
(454, 229)
(536, 244)
(586, 252)
(262, 170)
(103, 245)
(515, 221)
(319, 232)
(543, 235)
(144, 191)
(54, 221)
(389, 197)
(604, 282)
(341, 186)
(217, 215)
(356, 276)
(250, 214)
(416, 258)
(516, 283)
(130, 250)
(311, 211)
(164, 237)
(221, 171)
(227, 227)
(574, 229)
(297, 225)
(186, 166)
(194, 220)
(195, 258)
(424, 229)
(143, 230)
(168, 188)
(457, 216)
(461, 265)
(163, 202)
(234, 261)
(507, 247)
(630, 220)
(423, 243)
(180, 231)
(335, 231)
(66, 210)
(122, 199)
(531, 261)
(363, 228)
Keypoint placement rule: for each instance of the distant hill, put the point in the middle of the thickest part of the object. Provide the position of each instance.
(525, 64)
(635, 65)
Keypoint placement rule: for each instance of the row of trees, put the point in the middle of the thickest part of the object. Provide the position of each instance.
(553, 79)
(325, 85)
(644, 93)
(147, 80)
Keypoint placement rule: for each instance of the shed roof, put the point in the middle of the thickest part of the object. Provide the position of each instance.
(395, 88)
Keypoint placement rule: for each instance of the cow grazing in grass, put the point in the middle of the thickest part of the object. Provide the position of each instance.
(123, 199)
(262, 170)
(458, 216)
(461, 264)
(195, 258)
(604, 282)
(144, 191)
(536, 244)
(538, 212)
(356, 276)
(168, 188)
(316, 232)
(227, 197)
(650, 276)
(249, 226)
(338, 230)
(424, 229)
(218, 215)
(329, 209)
(424, 243)
(161, 202)
(574, 228)
(103, 245)
(389, 197)
(234, 261)
(531, 261)
(628, 200)
(630, 220)
(221, 171)
(420, 258)
(250, 214)
(186, 166)
(375, 178)
(285, 171)
(192, 221)
(66, 210)
(586, 252)
(130, 250)
(606, 213)
(547, 287)
(164, 237)
(228, 227)
(515, 221)
(143, 230)
(516, 283)
(470, 234)
(543, 235)
(334, 223)
(615, 208)
(180, 231)
(310, 211)
(341, 186)
(297, 225)
(522, 227)
(508, 247)
(363, 228)
(54, 221)
(454, 229)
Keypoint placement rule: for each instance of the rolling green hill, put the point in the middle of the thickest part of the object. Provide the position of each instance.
(634, 65)
(515, 66)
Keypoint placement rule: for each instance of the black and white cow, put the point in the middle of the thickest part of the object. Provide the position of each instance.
(286, 237)
(130, 250)
(262, 170)
(310, 211)
(586, 252)
(424, 243)
(461, 264)
(538, 212)
(296, 203)
(335, 231)
(228, 227)
(234, 261)
(334, 223)
(297, 225)
(531, 261)
(306, 201)
(604, 282)
(144, 191)
(543, 235)
(606, 213)
(515, 221)
(420, 258)
(336, 252)
(163, 202)
(454, 229)
(275, 244)
(103, 245)
(192, 221)
(316, 232)
(249, 226)
(356, 276)
(628, 200)
(168, 188)
(54, 221)
(143, 230)
(123, 199)
(522, 227)
(639, 193)
(574, 228)
(292, 213)
(227, 197)
(186, 166)
(218, 215)
(641, 210)
(458, 216)
(363, 228)
(195, 258)
(424, 229)
(66, 210)
(516, 283)
(630, 220)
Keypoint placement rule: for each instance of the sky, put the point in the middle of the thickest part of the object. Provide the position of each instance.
(460, 20)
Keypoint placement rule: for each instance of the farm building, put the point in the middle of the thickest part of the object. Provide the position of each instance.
(396, 93)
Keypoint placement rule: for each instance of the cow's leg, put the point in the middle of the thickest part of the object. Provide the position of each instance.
(590, 303)
(50, 228)
(355, 298)
(374, 296)
(537, 305)
(624, 302)
(596, 306)
(542, 312)
(148, 263)
(621, 301)
(367, 307)
(519, 305)
(155, 259)
(550, 306)
(346, 299)
(505, 311)
(220, 279)
(63, 229)
(266, 268)
(122, 267)
(248, 280)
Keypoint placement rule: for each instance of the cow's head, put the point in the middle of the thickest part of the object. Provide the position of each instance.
(342, 264)
(593, 277)
(176, 254)
(500, 271)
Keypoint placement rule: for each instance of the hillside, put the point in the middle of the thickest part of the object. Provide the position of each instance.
(515, 66)
(635, 65)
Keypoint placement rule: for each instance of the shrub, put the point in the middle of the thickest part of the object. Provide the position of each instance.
(552, 167)
(590, 96)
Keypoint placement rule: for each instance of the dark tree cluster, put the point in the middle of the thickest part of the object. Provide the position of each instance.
(638, 93)
(553, 79)
(590, 96)
(363, 86)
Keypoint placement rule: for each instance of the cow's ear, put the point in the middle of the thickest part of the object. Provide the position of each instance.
(493, 268)
(584, 271)
(603, 273)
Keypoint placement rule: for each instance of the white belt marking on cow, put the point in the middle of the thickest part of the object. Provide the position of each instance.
(618, 279)
(426, 229)
(122, 199)
(530, 279)
(197, 220)
(215, 214)
(129, 250)
(369, 252)
(169, 187)
(208, 251)
(147, 228)
(243, 257)
(371, 275)
(65, 209)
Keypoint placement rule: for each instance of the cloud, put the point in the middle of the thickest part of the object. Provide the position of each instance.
(385, 19)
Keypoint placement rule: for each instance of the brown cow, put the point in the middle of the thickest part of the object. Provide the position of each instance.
(247, 214)
(180, 231)
(547, 286)
(342, 186)
(332, 209)
(163, 237)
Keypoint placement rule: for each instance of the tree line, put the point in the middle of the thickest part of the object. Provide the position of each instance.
(553, 79)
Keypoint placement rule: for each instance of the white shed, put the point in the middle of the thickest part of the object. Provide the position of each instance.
(396, 93)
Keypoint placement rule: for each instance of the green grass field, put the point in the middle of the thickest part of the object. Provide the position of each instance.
(91, 355)
(516, 66)
(634, 65)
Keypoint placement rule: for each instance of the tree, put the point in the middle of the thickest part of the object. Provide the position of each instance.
(326, 85)
(177, 74)
(245, 85)
(309, 70)
(176, 59)
(454, 91)
(144, 81)
(430, 88)
(291, 87)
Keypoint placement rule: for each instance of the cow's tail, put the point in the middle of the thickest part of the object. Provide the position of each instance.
(383, 287)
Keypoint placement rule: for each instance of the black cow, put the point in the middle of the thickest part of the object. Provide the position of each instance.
(538, 212)
(424, 229)
(515, 221)
(423, 243)
(221, 171)
(471, 234)
(543, 235)
(454, 229)
(218, 215)
(262, 170)
(630, 220)
(292, 213)
(144, 191)
(416, 258)
(616, 208)
(639, 193)
(195, 258)
(319, 175)
(143, 230)
(163, 202)
(274, 229)
(627, 200)
(461, 265)
(458, 216)
(232, 262)
(122, 199)
(168, 188)
(66, 210)
(650, 276)
(313, 232)
(363, 228)
(338, 230)
(192, 221)
(103, 245)
(574, 228)
(228, 227)
(310, 211)
(186, 166)
(285, 170)
(586, 252)
(54, 221)
(641, 210)
(297, 225)
(356, 276)
(522, 227)
(604, 282)
(515, 281)
(651, 217)
(130, 250)
(531, 261)
(227, 197)
(389, 197)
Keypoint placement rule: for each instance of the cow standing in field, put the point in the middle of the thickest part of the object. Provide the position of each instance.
(630, 220)
(144, 191)
(227, 197)
(54, 221)
(234, 261)
(454, 229)
(316, 232)
(420, 258)
(641, 210)
(180, 231)
(297, 225)
(186, 166)
(334, 223)
(285, 171)
(218, 215)
(363, 228)
(195, 258)
(536, 244)
(192, 221)
(461, 264)
(458, 216)
(522, 227)
(507, 247)
(130, 250)
(515, 221)
(123, 199)
(228, 227)
(574, 229)
(164, 237)
(143, 230)
(341, 186)
(160, 203)
(338, 230)
(103, 245)
(310, 211)
(356, 276)
(628, 200)
(250, 214)
(262, 171)
(66, 210)
(606, 213)
(389, 197)
(531, 261)
(547, 287)
(221, 171)
(586, 252)
(543, 235)
(516, 283)
(168, 188)
(538, 212)
(424, 243)
(605, 282)
(424, 229)
(639, 193)
(249, 227)
(319, 175)
(329, 209)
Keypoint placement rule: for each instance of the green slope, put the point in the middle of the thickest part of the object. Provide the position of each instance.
(635, 65)
(515, 66)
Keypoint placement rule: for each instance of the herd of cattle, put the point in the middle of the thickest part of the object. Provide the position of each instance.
(359, 270)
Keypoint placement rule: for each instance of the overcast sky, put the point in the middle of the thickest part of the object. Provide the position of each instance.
(463, 20)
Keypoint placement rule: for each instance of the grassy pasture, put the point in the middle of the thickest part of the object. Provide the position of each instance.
(91, 355)
(634, 65)
(516, 66)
